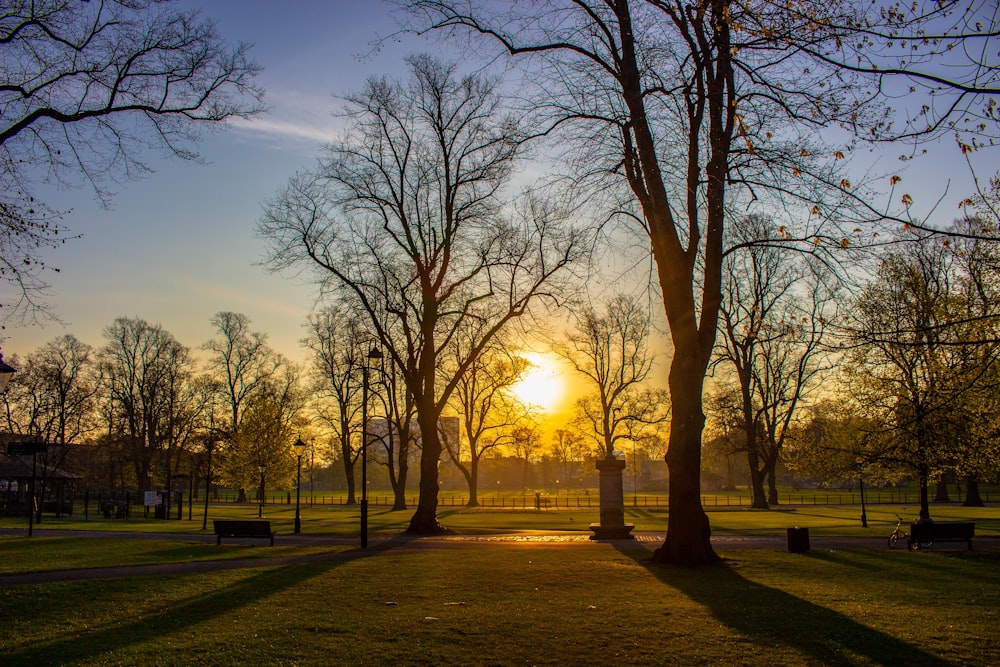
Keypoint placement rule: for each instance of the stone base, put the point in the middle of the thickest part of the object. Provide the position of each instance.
(622, 532)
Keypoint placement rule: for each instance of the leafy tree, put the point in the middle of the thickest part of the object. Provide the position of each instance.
(263, 448)
(915, 367)
(405, 215)
(245, 369)
(834, 442)
(85, 86)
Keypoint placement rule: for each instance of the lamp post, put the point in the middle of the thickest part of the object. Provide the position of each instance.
(260, 497)
(300, 448)
(373, 355)
(861, 486)
(635, 477)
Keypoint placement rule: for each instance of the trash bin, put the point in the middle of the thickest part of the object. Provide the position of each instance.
(798, 540)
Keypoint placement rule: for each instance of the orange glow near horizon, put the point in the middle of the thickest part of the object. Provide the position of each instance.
(542, 385)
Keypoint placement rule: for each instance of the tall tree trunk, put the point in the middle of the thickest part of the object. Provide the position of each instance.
(941, 491)
(349, 478)
(473, 480)
(772, 481)
(925, 506)
(424, 520)
(399, 491)
(758, 500)
(972, 497)
(688, 540)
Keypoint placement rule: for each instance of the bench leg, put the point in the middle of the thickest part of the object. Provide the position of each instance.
(218, 540)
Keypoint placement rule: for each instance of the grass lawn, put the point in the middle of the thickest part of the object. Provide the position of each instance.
(344, 521)
(492, 603)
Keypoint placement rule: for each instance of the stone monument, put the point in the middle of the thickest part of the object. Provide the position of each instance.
(612, 502)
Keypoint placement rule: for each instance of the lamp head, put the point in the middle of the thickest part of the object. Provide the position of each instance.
(6, 372)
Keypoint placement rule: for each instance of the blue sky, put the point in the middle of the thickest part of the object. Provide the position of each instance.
(179, 245)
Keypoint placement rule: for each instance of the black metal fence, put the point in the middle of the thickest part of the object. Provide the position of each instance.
(530, 500)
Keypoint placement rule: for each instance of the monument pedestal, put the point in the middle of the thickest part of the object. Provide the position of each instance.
(612, 503)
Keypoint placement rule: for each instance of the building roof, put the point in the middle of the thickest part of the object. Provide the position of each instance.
(18, 467)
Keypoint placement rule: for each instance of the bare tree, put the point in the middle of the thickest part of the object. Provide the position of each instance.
(775, 312)
(610, 347)
(400, 440)
(85, 86)
(339, 345)
(143, 395)
(525, 443)
(52, 395)
(406, 216)
(52, 399)
(486, 408)
(690, 112)
(571, 451)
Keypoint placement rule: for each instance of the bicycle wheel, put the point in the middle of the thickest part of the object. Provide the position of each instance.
(892, 540)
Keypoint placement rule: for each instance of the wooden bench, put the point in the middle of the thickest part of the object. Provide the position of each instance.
(242, 528)
(927, 532)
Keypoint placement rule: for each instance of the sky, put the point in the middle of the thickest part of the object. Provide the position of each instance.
(180, 245)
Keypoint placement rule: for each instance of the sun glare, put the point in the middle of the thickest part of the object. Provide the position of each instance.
(542, 386)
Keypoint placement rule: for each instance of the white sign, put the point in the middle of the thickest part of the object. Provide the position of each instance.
(151, 499)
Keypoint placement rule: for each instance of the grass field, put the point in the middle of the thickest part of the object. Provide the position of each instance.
(344, 520)
(504, 603)
(539, 604)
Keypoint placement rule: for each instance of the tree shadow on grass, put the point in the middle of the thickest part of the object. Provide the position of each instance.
(772, 617)
(925, 570)
(171, 617)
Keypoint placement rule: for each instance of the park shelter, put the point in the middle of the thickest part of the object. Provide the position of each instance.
(15, 487)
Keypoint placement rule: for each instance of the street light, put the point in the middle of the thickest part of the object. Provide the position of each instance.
(861, 486)
(373, 355)
(6, 372)
(300, 448)
(260, 496)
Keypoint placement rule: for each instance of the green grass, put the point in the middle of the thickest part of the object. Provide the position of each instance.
(42, 554)
(344, 521)
(542, 604)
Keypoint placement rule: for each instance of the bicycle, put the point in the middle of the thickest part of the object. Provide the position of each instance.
(912, 545)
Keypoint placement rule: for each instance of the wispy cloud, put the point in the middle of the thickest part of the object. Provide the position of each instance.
(304, 130)
(296, 116)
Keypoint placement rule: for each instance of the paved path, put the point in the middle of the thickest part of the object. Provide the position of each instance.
(381, 543)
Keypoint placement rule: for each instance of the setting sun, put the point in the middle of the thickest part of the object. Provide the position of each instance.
(542, 385)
